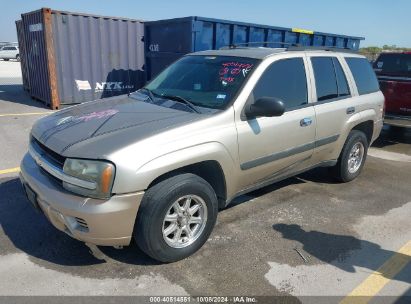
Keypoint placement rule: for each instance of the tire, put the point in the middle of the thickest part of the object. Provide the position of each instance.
(5, 59)
(346, 168)
(18, 57)
(159, 201)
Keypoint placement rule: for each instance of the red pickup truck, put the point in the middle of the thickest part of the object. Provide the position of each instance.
(394, 74)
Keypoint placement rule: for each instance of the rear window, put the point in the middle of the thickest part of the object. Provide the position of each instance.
(393, 64)
(364, 75)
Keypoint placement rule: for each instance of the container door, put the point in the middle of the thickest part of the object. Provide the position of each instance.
(33, 25)
(22, 52)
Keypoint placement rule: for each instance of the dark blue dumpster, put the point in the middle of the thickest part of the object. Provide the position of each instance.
(168, 40)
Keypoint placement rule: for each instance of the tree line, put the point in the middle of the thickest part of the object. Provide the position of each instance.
(372, 52)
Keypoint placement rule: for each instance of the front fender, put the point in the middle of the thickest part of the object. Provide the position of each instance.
(163, 164)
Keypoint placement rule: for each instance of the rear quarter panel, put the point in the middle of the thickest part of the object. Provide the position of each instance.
(368, 107)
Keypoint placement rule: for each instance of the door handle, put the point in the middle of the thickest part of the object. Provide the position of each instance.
(305, 122)
(350, 110)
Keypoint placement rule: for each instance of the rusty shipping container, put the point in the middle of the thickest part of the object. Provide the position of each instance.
(23, 53)
(73, 58)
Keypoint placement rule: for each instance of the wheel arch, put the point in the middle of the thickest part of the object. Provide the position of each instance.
(367, 127)
(360, 122)
(209, 170)
(211, 161)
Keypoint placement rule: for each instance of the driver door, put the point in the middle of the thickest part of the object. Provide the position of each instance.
(271, 146)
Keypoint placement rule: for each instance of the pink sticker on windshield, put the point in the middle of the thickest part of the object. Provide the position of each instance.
(230, 70)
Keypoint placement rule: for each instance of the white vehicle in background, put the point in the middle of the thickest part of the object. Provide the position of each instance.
(10, 52)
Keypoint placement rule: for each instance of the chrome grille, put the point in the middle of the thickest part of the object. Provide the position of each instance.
(54, 166)
(47, 153)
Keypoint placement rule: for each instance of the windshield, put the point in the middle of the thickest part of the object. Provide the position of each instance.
(204, 81)
(393, 64)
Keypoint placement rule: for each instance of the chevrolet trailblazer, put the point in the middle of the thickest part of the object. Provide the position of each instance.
(157, 165)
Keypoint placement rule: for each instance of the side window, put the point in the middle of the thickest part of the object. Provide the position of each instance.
(330, 80)
(284, 79)
(325, 80)
(342, 83)
(364, 75)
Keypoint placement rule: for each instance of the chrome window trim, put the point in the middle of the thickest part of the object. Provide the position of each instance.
(58, 173)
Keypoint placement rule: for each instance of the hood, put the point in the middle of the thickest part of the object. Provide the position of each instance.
(105, 125)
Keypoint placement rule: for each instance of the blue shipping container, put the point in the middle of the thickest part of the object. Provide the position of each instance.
(168, 40)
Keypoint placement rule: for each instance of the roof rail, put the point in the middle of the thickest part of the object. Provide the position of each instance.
(249, 44)
(289, 47)
(321, 48)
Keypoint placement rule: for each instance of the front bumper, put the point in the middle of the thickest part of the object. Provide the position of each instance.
(100, 222)
(397, 120)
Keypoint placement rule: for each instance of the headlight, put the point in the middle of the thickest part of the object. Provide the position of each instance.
(98, 177)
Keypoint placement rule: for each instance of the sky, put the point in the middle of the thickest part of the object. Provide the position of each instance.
(379, 21)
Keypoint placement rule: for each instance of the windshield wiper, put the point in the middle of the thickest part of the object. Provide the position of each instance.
(182, 100)
(149, 94)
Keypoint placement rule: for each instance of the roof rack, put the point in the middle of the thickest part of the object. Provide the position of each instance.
(321, 48)
(249, 44)
(290, 47)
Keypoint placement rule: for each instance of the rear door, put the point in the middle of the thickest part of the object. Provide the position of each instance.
(333, 105)
(394, 75)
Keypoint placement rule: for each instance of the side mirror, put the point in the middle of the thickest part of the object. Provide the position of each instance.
(265, 107)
